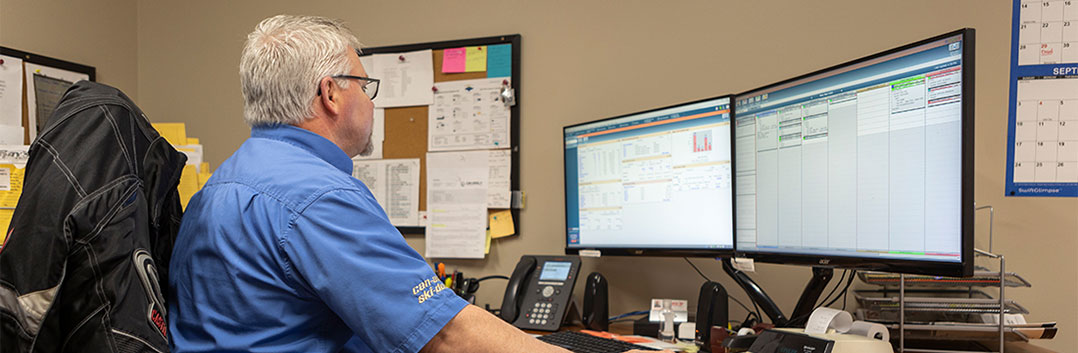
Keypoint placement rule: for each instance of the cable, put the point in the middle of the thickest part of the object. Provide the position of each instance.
(756, 313)
(491, 277)
(697, 269)
(797, 320)
(845, 292)
(633, 313)
(848, 282)
(833, 289)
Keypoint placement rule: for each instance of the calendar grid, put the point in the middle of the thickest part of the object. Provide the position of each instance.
(1043, 113)
(1048, 32)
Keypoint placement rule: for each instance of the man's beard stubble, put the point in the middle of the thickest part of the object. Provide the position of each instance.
(368, 149)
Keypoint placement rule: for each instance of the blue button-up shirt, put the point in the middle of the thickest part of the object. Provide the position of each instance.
(284, 251)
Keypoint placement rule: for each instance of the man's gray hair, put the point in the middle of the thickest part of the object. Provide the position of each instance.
(283, 62)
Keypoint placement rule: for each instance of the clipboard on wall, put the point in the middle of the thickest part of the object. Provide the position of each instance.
(405, 125)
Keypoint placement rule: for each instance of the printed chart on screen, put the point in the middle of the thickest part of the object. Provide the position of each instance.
(1042, 151)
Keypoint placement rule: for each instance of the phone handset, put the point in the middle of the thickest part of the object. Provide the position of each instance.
(514, 290)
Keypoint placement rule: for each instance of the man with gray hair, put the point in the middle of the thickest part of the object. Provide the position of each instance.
(283, 251)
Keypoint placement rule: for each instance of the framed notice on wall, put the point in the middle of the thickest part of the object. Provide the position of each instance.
(1042, 150)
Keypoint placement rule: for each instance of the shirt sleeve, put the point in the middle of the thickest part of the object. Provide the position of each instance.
(344, 249)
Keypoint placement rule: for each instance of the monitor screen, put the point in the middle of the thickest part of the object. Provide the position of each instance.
(867, 161)
(651, 181)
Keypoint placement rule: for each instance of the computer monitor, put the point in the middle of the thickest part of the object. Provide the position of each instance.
(868, 164)
(657, 182)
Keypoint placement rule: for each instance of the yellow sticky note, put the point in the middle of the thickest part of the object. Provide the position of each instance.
(193, 141)
(10, 190)
(488, 242)
(174, 133)
(475, 59)
(188, 184)
(501, 224)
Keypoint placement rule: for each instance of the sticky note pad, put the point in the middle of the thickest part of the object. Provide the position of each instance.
(475, 59)
(487, 251)
(453, 60)
(501, 224)
(500, 60)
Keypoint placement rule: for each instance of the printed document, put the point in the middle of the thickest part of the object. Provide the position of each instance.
(498, 194)
(457, 204)
(395, 184)
(11, 93)
(468, 115)
(407, 78)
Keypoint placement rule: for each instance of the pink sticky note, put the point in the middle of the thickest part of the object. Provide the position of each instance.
(453, 60)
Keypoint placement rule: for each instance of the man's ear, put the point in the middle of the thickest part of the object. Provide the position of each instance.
(329, 95)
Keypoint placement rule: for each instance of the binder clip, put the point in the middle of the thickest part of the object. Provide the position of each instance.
(508, 95)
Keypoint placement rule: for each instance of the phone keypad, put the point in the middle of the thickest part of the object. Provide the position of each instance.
(542, 313)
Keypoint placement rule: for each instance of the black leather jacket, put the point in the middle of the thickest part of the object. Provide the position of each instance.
(87, 251)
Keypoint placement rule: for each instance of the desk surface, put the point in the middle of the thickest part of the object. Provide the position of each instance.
(626, 328)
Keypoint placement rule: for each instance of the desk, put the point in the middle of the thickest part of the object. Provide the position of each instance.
(626, 328)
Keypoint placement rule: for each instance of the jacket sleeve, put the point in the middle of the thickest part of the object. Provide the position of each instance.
(34, 256)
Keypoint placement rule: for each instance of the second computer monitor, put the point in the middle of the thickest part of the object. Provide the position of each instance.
(867, 164)
(657, 182)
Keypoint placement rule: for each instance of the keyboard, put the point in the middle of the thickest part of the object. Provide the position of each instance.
(585, 343)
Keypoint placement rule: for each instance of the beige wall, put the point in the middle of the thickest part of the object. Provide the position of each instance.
(583, 60)
(95, 33)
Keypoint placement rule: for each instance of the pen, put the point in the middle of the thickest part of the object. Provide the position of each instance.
(441, 270)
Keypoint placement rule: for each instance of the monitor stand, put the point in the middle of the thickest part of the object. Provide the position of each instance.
(809, 296)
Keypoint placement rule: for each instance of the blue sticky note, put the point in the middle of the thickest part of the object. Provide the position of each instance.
(500, 60)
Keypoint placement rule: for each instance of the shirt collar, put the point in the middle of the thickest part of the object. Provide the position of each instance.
(307, 140)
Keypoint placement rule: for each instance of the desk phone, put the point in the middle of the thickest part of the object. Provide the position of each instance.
(539, 291)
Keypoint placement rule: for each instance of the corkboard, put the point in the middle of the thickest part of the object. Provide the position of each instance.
(406, 127)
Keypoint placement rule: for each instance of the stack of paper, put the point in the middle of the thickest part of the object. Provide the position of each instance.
(196, 172)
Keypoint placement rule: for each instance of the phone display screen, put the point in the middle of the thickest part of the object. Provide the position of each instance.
(555, 271)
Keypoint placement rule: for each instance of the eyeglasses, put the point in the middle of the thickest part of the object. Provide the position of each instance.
(366, 84)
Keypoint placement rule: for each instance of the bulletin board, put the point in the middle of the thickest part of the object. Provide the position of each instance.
(54, 69)
(29, 84)
(406, 127)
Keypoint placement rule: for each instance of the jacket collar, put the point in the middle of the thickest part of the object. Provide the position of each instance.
(307, 140)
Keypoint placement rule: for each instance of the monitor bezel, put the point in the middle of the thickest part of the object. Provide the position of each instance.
(964, 268)
(639, 251)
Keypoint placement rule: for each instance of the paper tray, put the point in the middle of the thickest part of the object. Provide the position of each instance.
(972, 332)
(980, 279)
(981, 305)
